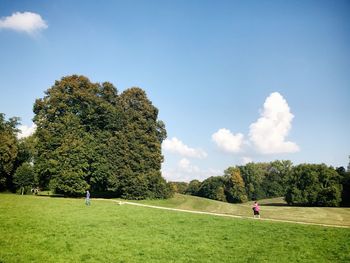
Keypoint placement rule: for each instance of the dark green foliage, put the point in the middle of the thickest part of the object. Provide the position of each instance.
(24, 177)
(306, 185)
(89, 137)
(274, 183)
(345, 181)
(313, 185)
(193, 187)
(253, 175)
(8, 151)
(213, 188)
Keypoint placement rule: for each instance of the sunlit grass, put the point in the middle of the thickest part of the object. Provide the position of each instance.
(270, 208)
(42, 229)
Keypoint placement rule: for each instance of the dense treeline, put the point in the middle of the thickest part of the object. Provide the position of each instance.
(304, 184)
(90, 137)
(14, 154)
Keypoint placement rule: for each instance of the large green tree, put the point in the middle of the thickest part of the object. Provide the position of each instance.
(138, 148)
(8, 150)
(90, 137)
(313, 185)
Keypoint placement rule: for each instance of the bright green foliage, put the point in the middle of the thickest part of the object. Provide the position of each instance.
(8, 150)
(313, 185)
(91, 138)
(24, 177)
(179, 187)
(234, 186)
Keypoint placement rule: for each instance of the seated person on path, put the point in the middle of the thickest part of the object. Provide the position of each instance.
(256, 210)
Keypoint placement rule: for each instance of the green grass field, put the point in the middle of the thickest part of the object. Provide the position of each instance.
(43, 229)
(274, 208)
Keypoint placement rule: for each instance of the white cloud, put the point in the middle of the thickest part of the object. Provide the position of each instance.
(268, 134)
(186, 166)
(185, 171)
(27, 22)
(227, 141)
(25, 131)
(246, 160)
(174, 145)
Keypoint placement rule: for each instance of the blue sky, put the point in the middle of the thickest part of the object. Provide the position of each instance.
(234, 81)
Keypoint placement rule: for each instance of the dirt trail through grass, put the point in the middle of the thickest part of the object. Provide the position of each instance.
(218, 214)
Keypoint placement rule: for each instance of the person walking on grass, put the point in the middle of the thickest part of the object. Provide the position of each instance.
(87, 199)
(256, 210)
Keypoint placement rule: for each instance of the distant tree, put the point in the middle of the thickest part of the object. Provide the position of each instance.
(348, 169)
(24, 177)
(345, 182)
(313, 185)
(8, 150)
(234, 186)
(213, 188)
(275, 179)
(179, 187)
(253, 175)
(193, 187)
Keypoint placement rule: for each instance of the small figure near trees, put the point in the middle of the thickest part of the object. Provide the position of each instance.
(87, 199)
(256, 210)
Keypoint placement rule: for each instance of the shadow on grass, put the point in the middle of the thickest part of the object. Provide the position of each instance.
(274, 204)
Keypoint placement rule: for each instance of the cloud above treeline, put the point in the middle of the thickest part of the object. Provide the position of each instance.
(25, 131)
(185, 171)
(174, 145)
(267, 135)
(26, 22)
(227, 141)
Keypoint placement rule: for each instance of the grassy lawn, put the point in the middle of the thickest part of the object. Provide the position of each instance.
(270, 208)
(43, 229)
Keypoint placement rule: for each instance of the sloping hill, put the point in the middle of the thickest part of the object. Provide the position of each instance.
(274, 208)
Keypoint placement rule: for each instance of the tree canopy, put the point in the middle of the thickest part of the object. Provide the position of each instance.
(8, 150)
(89, 137)
(313, 185)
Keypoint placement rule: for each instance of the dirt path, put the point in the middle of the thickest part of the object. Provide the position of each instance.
(217, 214)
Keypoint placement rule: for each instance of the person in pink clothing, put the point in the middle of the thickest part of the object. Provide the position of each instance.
(256, 210)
